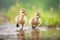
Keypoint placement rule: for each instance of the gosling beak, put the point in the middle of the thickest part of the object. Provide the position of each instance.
(38, 16)
(24, 14)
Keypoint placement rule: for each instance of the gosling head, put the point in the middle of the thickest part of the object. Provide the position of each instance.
(23, 12)
(37, 14)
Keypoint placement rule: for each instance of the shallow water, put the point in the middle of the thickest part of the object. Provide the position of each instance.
(8, 32)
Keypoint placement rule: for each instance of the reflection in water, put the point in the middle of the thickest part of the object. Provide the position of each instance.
(21, 35)
(35, 34)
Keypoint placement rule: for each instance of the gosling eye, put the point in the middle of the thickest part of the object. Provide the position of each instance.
(23, 12)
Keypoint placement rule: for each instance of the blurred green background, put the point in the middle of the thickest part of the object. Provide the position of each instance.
(50, 10)
(50, 14)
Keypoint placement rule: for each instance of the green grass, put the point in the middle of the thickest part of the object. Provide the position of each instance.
(48, 17)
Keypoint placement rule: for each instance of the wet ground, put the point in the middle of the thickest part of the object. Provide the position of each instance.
(8, 32)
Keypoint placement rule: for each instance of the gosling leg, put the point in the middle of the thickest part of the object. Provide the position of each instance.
(17, 25)
(33, 27)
